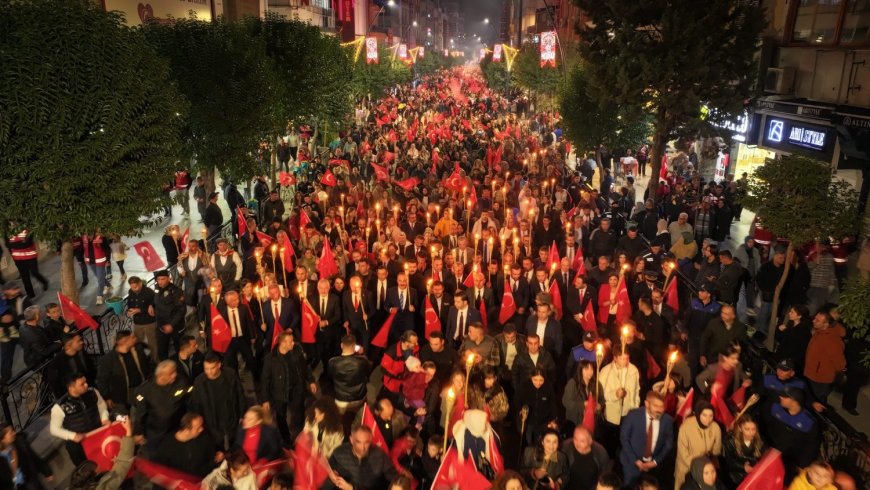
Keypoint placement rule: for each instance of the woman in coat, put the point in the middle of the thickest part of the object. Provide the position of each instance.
(577, 392)
(703, 476)
(536, 394)
(699, 435)
(323, 422)
(256, 437)
(741, 450)
(544, 463)
(793, 336)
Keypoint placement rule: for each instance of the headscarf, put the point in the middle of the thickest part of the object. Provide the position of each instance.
(697, 472)
(687, 238)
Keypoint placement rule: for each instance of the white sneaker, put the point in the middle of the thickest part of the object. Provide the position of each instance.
(99, 300)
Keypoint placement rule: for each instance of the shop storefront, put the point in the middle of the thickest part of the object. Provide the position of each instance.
(137, 12)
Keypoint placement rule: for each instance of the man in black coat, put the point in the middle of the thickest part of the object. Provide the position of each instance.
(402, 300)
(188, 450)
(285, 381)
(169, 312)
(328, 308)
(580, 296)
(238, 318)
(122, 370)
(349, 373)
(158, 406)
(189, 360)
(357, 305)
(35, 339)
(218, 395)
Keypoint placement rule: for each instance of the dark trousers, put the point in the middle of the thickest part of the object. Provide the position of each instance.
(76, 453)
(28, 269)
(7, 356)
(163, 340)
(328, 340)
(241, 345)
(289, 416)
(856, 378)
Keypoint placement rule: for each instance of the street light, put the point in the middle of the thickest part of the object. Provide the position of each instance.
(414, 23)
(486, 20)
(391, 3)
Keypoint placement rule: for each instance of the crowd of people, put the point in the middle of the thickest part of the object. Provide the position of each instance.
(437, 299)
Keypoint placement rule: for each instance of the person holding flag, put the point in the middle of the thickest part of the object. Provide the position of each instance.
(81, 410)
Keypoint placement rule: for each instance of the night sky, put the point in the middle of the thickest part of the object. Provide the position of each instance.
(474, 13)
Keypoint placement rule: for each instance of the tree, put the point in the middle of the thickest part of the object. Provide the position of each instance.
(800, 200)
(90, 122)
(223, 72)
(432, 61)
(374, 79)
(590, 124)
(312, 71)
(543, 81)
(672, 58)
(496, 74)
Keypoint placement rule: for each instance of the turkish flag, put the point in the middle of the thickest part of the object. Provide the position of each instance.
(589, 413)
(310, 322)
(220, 331)
(454, 473)
(469, 279)
(289, 253)
(310, 469)
(455, 182)
(767, 474)
(265, 240)
(588, 321)
(184, 239)
(579, 264)
(328, 179)
(687, 406)
(387, 157)
(553, 258)
(165, 477)
(721, 412)
(266, 470)
(407, 184)
(368, 420)
(286, 179)
(149, 256)
(326, 267)
(304, 220)
(473, 196)
(242, 223)
(276, 331)
(433, 323)
(663, 171)
(508, 304)
(671, 298)
(380, 340)
(74, 314)
(102, 445)
(738, 398)
(623, 308)
(556, 295)
(381, 172)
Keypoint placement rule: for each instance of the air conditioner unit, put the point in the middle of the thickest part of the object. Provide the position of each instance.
(779, 80)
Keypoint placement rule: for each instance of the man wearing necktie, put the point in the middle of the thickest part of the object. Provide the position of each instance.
(329, 334)
(461, 314)
(647, 439)
(238, 318)
(357, 306)
(402, 300)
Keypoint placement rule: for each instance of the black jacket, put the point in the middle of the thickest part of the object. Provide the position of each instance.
(190, 369)
(142, 300)
(284, 376)
(158, 409)
(113, 379)
(350, 375)
(194, 457)
(221, 402)
(269, 447)
(37, 344)
(375, 471)
(169, 307)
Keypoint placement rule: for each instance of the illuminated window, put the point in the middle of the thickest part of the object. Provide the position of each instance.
(827, 22)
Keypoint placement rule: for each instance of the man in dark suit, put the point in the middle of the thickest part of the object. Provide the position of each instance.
(402, 300)
(356, 304)
(309, 291)
(437, 272)
(644, 289)
(412, 227)
(453, 281)
(403, 248)
(569, 249)
(580, 296)
(416, 249)
(277, 308)
(451, 241)
(463, 254)
(564, 277)
(480, 293)
(459, 317)
(547, 328)
(540, 284)
(440, 303)
(666, 312)
(238, 318)
(327, 307)
(488, 247)
(520, 290)
(647, 439)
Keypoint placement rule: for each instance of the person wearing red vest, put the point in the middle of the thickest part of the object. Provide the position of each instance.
(97, 252)
(22, 247)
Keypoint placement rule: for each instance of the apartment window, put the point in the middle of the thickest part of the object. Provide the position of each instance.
(831, 22)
